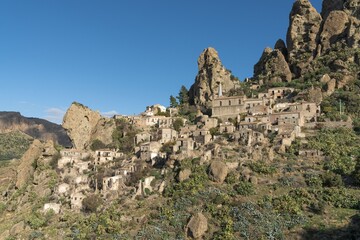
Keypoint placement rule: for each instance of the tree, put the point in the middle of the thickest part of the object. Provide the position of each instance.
(178, 124)
(91, 203)
(183, 95)
(173, 102)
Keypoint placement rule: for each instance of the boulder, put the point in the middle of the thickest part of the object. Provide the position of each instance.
(325, 78)
(52, 206)
(17, 228)
(330, 87)
(218, 171)
(197, 226)
(183, 175)
(211, 74)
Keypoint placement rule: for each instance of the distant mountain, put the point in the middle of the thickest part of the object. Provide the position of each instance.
(35, 127)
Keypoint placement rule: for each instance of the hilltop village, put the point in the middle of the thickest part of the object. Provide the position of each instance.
(267, 120)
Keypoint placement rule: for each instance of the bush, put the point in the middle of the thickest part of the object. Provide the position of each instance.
(54, 160)
(91, 203)
(331, 179)
(97, 144)
(313, 180)
(178, 124)
(244, 188)
(262, 168)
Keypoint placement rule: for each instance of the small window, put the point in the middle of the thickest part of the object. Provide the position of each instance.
(229, 103)
(220, 103)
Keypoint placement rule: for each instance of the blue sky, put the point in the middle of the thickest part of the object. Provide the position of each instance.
(121, 55)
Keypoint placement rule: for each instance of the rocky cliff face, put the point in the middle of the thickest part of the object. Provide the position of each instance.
(305, 23)
(85, 125)
(317, 44)
(34, 127)
(272, 67)
(211, 74)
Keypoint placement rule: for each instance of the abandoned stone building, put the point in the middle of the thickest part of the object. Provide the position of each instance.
(106, 155)
(168, 134)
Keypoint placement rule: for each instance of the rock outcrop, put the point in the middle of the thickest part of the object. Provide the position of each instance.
(272, 66)
(211, 74)
(184, 175)
(34, 127)
(197, 226)
(334, 29)
(84, 125)
(218, 171)
(26, 169)
(302, 35)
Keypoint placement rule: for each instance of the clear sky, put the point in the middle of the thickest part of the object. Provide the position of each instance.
(122, 55)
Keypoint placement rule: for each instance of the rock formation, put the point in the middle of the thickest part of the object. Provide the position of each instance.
(34, 127)
(26, 169)
(272, 66)
(211, 74)
(85, 125)
(305, 23)
(197, 226)
(218, 171)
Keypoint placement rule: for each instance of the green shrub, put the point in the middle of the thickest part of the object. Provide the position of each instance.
(262, 167)
(91, 203)
(244, 188)
(97, 144)
(231, 178)
(313, 180)
(331, 179)
(36, 220)
(54, 160)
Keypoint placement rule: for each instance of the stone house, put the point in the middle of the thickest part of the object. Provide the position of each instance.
(112, 183)
(227, 127)
(149, 151)
(167, 135)
(166, 122)
(276, 93)
(106, 155)
(202, 136)
(287, 118)
(209, 122)
(259, 110)
(310, 111)
(76, 200)
(228, 107)
(81, 166)
(71, 156)
(311, 153)
(142, 137)
(184, 145)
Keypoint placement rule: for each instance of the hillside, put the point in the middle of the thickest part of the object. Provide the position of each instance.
(13, 145)
(35, 127)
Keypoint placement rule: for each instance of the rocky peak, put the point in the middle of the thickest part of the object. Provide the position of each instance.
(281, 46)
(84, 125)
(305, 23)
(211, 74)
(272, 66)
(331, 5)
